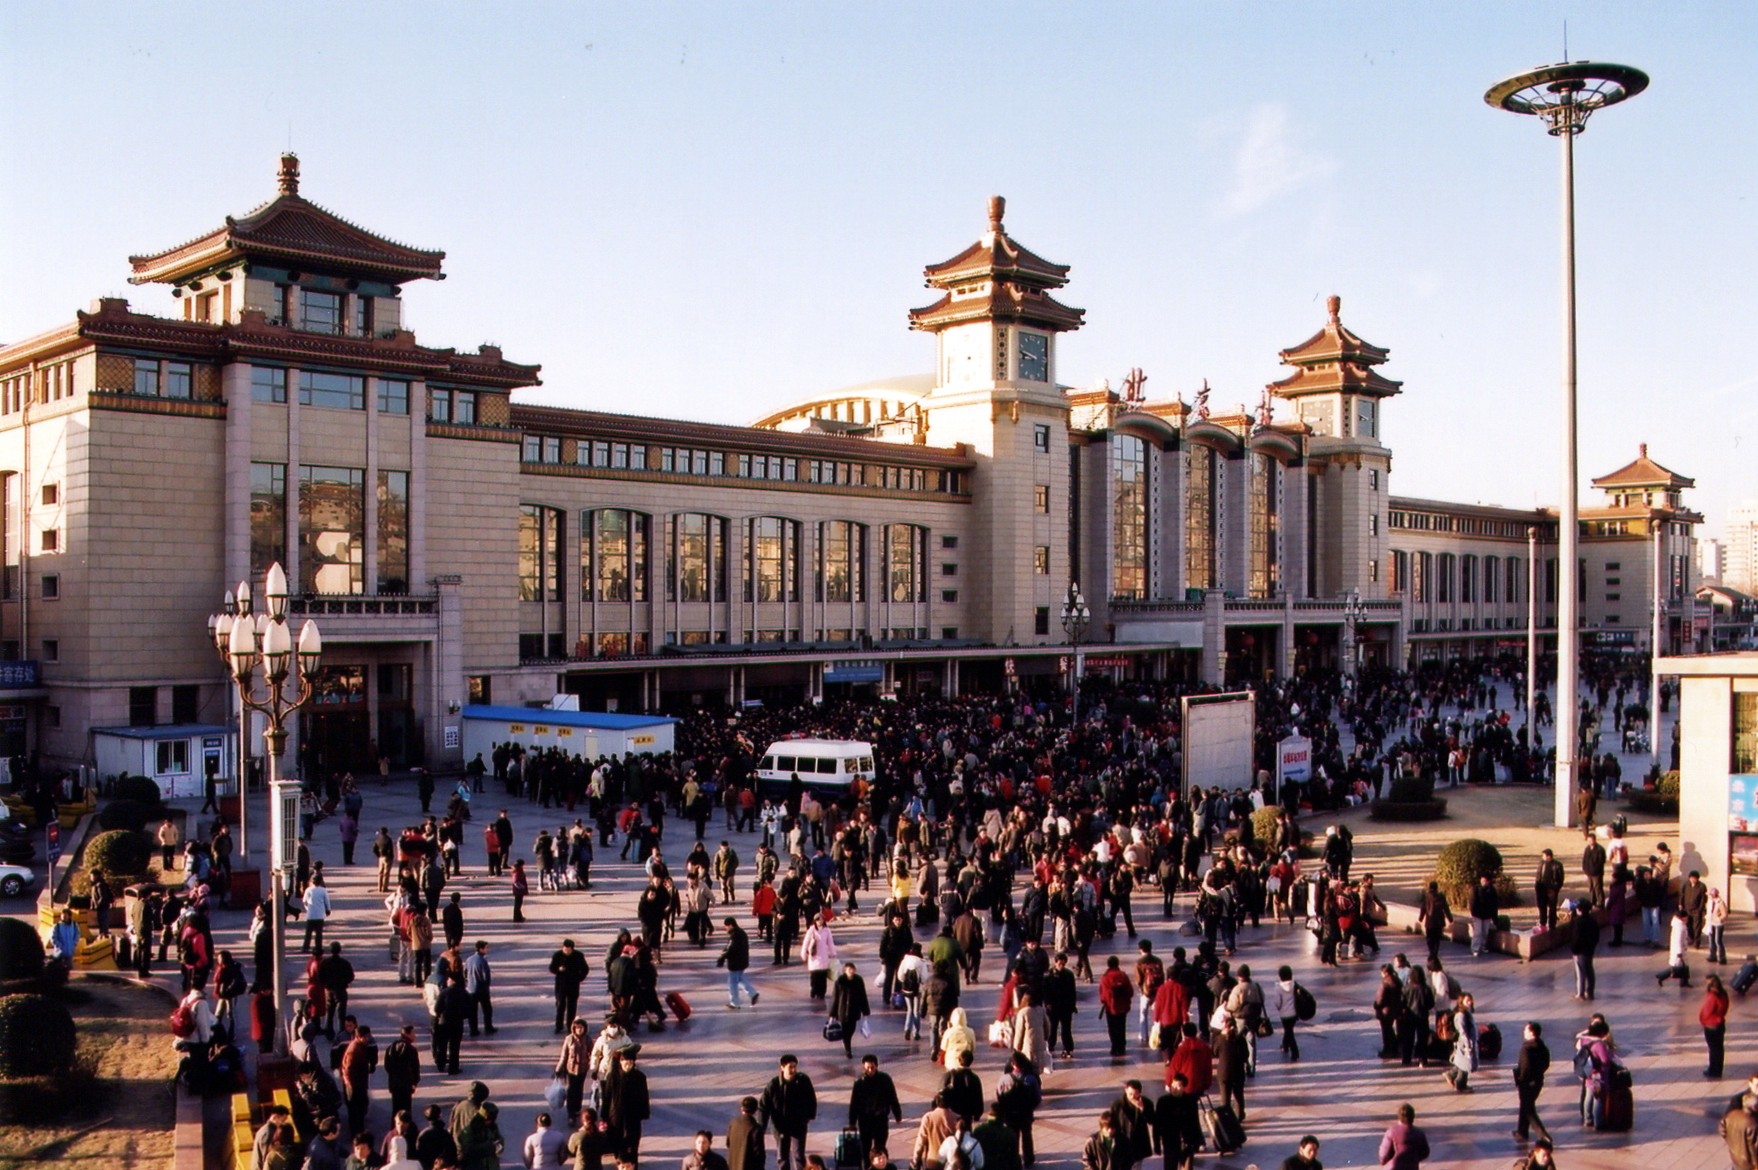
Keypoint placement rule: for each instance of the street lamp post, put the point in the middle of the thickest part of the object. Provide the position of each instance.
(220, 630)
(1656, 523)
(1531, 637)
(1352, 640)
(1077, 619)
(263, 639)
(1565, 96)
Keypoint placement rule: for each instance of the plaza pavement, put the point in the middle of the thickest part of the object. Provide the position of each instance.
(1340, 1091)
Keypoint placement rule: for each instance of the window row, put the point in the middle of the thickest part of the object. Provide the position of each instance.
(52, 384)
(332, 526)
(1468, 579)
(614, 553)
(1468, 525)
(330, 391)
(741, 465)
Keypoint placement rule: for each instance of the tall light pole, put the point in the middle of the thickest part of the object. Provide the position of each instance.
(220, 630)
(1531, 636)
(263, 639)
(1565, 96)
(1352, 638)
(1077, 618)
(1657, 523)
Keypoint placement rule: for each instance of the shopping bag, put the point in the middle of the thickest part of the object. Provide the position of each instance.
(556, 1093)
(999, 1036)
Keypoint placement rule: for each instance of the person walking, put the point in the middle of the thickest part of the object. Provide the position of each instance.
(575, 1063)
(1232, 1058)
(1434, 919)
(849, 1006)
(452, 1009)
(1680, 943)
(402, 1061)
(521, 888)
(744, 1139)
(818, 949)
(479, 982)
(1305, 1155)
(1583, 943)
(788, 1106)
(546, 1147)
(359, 1062)
(627, 1104)
(872, 1105)
(1283, 1007)
(317, 914)
(1739, 1129)
(1464, 1060)
(1115, 992)
(1529, 1071)
(1713, 1016)
(1484, 906)
(570, 969)
(1404, 1146)
(1593, 866)
(1716, 912)
(736, 958)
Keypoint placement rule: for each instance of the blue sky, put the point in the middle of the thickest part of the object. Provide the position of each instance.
(708, 210)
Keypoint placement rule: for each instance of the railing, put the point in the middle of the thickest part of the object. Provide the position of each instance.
(387, 605)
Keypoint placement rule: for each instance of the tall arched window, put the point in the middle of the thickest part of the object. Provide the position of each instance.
(613, 555)
(540, 549)
(1492, 572)
(1266, 510)
(1202, 477)
(695, 550)
(1129, 519)
(1468, 578)
(906, 562)
(842, 561)
(772, 563)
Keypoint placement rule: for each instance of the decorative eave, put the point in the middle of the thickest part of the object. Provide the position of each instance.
(1003, 302)
(1340, 377)
(1335, 359)
(1210, 433)
(1643, 472)
(294, 231)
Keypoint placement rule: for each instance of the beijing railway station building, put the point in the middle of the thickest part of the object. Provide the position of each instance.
(910, 536)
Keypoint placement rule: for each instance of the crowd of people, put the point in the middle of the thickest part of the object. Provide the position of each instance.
(998, 834)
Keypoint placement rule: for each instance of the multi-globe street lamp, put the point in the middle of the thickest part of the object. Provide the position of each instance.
(1077, 619)
(1564, 96)
(261, 644)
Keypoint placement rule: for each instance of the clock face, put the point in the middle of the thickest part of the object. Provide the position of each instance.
(1034, 357)
(1364, 418)
(1317, 414)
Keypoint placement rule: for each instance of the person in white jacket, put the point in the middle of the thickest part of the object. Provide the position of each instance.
(1282, 1008)
(818, 949)
(317, 912)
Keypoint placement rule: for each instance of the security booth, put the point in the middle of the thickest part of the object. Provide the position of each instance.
(589, 734)
(179, 757)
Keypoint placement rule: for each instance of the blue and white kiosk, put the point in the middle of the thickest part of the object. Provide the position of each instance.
(581, 733)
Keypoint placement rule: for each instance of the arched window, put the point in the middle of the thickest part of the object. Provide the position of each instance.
(1202, 479)
(695, 550)
(613, 555)
(1468, 578)
(540, 550)
(1266, 508)
(842, 561)
(1492, 571)
(772, 562)
(906, 562)
(1129, 519)
(1443, 581)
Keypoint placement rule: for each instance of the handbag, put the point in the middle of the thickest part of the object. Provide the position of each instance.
(556, 1092)
(999, 1034)
(1265, 1029)
(833, 1030)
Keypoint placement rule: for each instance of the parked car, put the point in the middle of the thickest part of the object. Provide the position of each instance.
(14, 879)
(18, 841)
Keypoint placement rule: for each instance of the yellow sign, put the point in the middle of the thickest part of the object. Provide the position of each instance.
(564, 731)
(640, 739)
(515, 729)
(540, 729)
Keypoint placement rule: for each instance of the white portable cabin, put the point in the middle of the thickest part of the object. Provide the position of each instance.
(819, 763)
(581, 733)
(178, 757)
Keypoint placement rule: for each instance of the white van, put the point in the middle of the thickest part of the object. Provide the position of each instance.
(819, 763)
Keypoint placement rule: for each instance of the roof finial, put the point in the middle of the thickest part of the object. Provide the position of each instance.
(1334, 304)
(1643, 450)
(997, 209)
(289, 174)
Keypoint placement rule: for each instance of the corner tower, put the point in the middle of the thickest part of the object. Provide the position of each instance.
(995, 392)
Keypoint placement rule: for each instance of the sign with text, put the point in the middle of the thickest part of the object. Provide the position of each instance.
(1294, 760)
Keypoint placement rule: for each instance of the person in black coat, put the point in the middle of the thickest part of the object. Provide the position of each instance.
(962, 1089)
(1529, 1073)
(626, 1104)
(744, 1139)
(1583, 945)
(872, 1105)
(848, 1005)
(1177, 1127)
(788, 1106)
(570, 969)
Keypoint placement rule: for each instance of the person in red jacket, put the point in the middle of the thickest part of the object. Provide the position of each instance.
(1713, 1016)
(1195, 1061)
(1115, 994)
(1171, 1010)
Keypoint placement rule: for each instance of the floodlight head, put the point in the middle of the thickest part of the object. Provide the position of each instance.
(1566, 95)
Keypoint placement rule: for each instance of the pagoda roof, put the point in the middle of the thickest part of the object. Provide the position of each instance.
(1335, 359)
(292, 230)
(1017, 278)
(1643, 472)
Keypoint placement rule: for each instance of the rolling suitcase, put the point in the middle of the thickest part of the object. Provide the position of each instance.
(848, 1150)
(1222, 1128)
(680, 1007)
(1619, 1111)
(1745, 977)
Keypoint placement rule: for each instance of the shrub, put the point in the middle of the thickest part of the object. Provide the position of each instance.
(1669, 785)
(125, 814)
(21, 950)
(119, 852)
(1459, 866)
(37, 1036)
(1263, 824)
(1411, 790)
(142, 789)
(1409, 810)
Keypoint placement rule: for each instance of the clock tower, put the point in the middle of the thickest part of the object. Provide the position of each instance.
(995, 392)
(1338, 393)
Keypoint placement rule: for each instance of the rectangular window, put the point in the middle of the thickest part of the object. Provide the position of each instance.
(173, 757)
(949, 542)
(186, 704)
(51, 649)
(614, 555)
(179, 380)
(143, 706)
(332, 391)
(540, 551)
(906, 567)
(51, 540)
(1041, 436)
(949, 569)
(950, 633)
(1373, 570)
(481, 689)
(1614, 596)
(1373, 480)
(268, 385)
(1373, 524)
(146, 376)
(1041, 499)
(1041, 560)
(51, 586)
(320, 312)
(332, 529)
(1745, 734)
(841, 563)
(949, 596)
(393, 396)
(268, 516)
(393, 532)
(1041, 620)
(773, 559)
(453, 406)
(363, 317)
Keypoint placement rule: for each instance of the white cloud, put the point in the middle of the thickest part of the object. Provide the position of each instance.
(1272, 160)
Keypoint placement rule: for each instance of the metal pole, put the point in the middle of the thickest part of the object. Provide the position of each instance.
(1568, 527)
(1654, 649)
(273, 738)
(243, 778)
(1531, 634)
